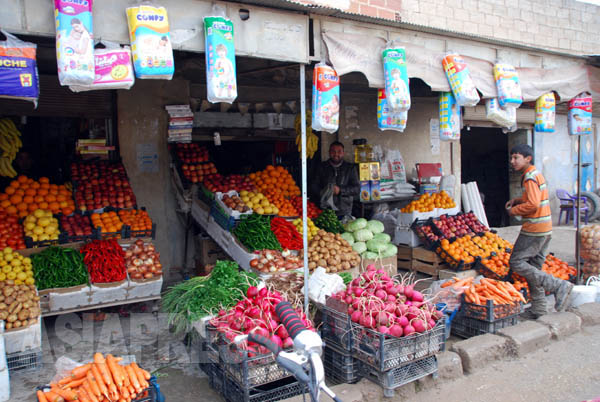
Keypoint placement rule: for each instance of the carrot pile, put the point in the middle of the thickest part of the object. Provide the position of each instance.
(489, 289)
(457, 283)
(103, 380)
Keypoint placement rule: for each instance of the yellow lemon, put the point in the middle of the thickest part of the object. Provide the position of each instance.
(48, 214)
(49, 229)
(15, 262)
(259, 210)
(29, 225)
(6, 269)
(34, 237)
(38, 213)
(245, 198)
(27, 260)
(2, 276)
(38, 230)
(264, 202)
(11, 275)
(19, 282)
(8, 257)
(243, 193)
(268, 210)
(29, 281)
(275, 210)
(29, 273)
(43, 222)
(250, 205)
(255, 200)
(54, 236)
(7, 250)
(43, 237)
(3, 263)
(21, 276)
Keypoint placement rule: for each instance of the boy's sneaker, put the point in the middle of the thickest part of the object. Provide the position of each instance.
(562, 296)
(529, 315)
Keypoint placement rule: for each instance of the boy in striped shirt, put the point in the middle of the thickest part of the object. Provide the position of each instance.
(529, 251)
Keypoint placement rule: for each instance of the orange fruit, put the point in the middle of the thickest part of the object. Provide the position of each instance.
(20, 192)
(21, 206)
(32, 207)
(15, 199)
(5, 203)
(61, 197)
(43, 205)
(39, 198)
(35, 184)
(14, 184)
(67, 211)
(28, 199)
(10, 190)
(3, 196)
(54, 206)
(22, 179)
(12, 210)
(44, 180)
(42, 191)
(50, 198)
(63, 204)
(30, 191)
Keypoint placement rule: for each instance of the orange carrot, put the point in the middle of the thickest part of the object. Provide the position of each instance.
(41, 397)
(74, 383)
(100, 381)
(146, 374)
(68, 394)
(79, 372)
(133, 378)
(88, 389)
(446, 284)
(140, 376)
(53, 397)
(82, 395)
(114, 370)
(93, 384)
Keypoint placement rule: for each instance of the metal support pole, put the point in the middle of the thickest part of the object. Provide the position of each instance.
(577, 245)
(304, 194)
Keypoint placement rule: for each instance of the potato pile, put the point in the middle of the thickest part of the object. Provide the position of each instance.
(235, 203)
(19, 305)
(331, 252)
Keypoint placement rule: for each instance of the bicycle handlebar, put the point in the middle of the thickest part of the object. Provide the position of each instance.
(290, 319)
(266, 342)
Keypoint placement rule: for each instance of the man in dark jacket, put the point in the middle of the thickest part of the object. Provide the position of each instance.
(340, 177)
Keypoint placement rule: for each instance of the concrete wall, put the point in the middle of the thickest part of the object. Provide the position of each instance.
(142, 119)
(563, 25)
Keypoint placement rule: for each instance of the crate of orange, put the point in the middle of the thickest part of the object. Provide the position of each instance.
(138, 222)
(25, 195)
(285, 207)
(109, 225)
(495, 267)
(458, 255)
(558, 268)
(278, 178)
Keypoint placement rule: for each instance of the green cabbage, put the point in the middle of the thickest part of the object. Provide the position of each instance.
(382, 237)
(368, 255)
(363, 235)
(348, 237)
(376, 246)
(357, 224)
(360, 247)
(389, 251)
(375, 226)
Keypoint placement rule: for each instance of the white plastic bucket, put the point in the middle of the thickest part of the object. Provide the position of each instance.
(4, 378)
(583, 294)
(595, 282)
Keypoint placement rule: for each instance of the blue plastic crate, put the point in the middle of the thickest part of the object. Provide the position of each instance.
(225, 221)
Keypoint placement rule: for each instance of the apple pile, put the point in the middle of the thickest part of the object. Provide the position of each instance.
(474, 223)
(100, 185)
(453, 226)
(223, 184)
(427, 232)
(191, 153)
(76, 225)
(197, 173)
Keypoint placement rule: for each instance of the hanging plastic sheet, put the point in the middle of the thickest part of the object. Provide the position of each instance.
(18, 69)
(396, 79)
(460, 80)
(221, 83)
(388, 119)
(325, 99)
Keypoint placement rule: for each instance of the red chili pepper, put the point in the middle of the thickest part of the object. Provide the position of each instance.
(105, 261)
(286, 233)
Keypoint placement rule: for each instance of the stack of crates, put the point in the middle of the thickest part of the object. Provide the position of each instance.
(240, 378)
(474, 319)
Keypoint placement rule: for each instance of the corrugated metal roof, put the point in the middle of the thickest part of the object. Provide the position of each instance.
(336, 13)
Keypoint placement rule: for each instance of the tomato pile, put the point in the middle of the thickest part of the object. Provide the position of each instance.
(11, 232)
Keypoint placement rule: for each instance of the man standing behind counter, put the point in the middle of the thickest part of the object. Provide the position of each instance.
(339, 177)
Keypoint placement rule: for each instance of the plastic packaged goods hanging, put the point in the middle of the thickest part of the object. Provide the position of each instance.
(545, 115)
(580, 114)
(325, 99)
(113, 69)
(507, 85)
(150, 42)
(460, 80)
(449, 117)
(221, 85)
(388, 119)
(502, 117)
(396, 79)
(74, 42)
(18, 69)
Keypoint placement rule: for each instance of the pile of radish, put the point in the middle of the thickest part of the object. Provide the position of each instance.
(256, 313)
(388, 306)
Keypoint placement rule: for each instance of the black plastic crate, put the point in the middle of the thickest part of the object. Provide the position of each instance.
(401, 375)
(150, 394)
(489, 312)
(466, 327)
(140, 233)
(205, 195)
(340, 367)
(454, 264)
(417, 228)
(27, 361)
(336, 329)
(385, 352)
(488, 273)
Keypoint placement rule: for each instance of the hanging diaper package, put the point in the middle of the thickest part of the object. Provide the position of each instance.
(221, 83)
(18, 69)
(396, 79)
(500, 116)
(580, 114)
(150, 42)
(460, 80)
(544, 113)
(449, 117)
(508, 86)
(113, 70)
(325, 99)
(387, 118)
(74, 42)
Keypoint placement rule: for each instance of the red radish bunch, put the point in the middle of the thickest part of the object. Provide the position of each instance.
(388, 306)
(256, 313)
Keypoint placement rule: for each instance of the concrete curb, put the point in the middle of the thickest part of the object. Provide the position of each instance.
(589, 313)
(562, 324)
(480, 350)
(525, 337)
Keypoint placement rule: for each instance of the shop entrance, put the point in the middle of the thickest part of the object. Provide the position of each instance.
(484, 159)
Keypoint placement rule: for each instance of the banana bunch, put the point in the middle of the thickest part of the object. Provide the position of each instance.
(10, 143)
(312, 141)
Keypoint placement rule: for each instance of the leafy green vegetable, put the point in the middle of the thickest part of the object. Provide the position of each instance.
(375, 226)
(375, 246)
(329, 222)
(254, 231)
(348, 237)
(369, 255)
(200, 296)
(382, 237)
(389, 251)
(360, 247)
(357, 224)
(363, 235)
(58, 267)
(346, 276)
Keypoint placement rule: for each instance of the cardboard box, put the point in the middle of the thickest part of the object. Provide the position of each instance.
(108, 292)
(388, 264)
(369, 171)
(365, 190)
(139, 288)
(375, 171)
(375, 190)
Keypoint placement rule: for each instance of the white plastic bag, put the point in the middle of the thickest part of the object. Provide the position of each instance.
(221, 85)
(325, 99)
(113, 67)
(460, 80)
(321, 285)
(396, 79)
(507, 85)
(150, 42)
(74, 42)
(20, 79)
(393, 166)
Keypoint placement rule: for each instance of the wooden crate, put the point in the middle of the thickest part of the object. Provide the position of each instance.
(427, 262)
(405, 254)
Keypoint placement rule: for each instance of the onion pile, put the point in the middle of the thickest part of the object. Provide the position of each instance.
(590, 242)
(388, 306)
(275, 261)
(142, 261)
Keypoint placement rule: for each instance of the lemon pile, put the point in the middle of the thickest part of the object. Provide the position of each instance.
(15, 267)
(41, 225)
(258, 203)
(312, 229)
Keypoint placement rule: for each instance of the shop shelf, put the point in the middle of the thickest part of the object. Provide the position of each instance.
(489, 312)
(466, 327)
(30, 360)
(385, 352)
(401, 375)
